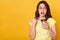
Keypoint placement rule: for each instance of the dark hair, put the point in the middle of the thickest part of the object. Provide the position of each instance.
(48, 14)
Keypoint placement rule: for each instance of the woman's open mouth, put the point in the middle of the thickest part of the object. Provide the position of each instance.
(42, 12)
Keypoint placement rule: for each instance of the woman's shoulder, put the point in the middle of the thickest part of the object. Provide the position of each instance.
(51, 22)
(51, 19)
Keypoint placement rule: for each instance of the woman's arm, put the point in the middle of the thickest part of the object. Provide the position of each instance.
(32, 29)
(52, 32)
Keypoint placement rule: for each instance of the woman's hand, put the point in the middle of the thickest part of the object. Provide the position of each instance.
(45, 25)
(33, 22)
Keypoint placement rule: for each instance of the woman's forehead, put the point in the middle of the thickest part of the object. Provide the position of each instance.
(42, 5)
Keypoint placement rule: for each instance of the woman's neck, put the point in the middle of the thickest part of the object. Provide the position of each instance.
(42, 17)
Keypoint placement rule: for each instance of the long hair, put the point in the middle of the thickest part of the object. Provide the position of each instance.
(48, 14)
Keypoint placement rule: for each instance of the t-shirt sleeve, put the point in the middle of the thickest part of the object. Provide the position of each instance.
(51, 22)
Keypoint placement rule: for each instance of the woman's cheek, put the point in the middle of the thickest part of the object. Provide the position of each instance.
(39, 12)
(45, 12)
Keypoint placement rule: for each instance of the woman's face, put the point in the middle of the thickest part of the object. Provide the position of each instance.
(42, 10)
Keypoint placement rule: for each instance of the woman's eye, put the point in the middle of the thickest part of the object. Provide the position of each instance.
(40, 7)
(44, 7)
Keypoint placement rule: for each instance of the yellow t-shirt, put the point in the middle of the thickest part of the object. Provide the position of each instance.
(41, 33)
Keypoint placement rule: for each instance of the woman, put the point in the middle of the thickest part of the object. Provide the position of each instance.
(42, 26)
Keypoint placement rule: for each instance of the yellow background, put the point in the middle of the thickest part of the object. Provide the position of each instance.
(16, 14)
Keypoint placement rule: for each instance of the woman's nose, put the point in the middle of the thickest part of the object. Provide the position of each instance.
(42, 9)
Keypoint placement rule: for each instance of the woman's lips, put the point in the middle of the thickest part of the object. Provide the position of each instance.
(42, 12)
